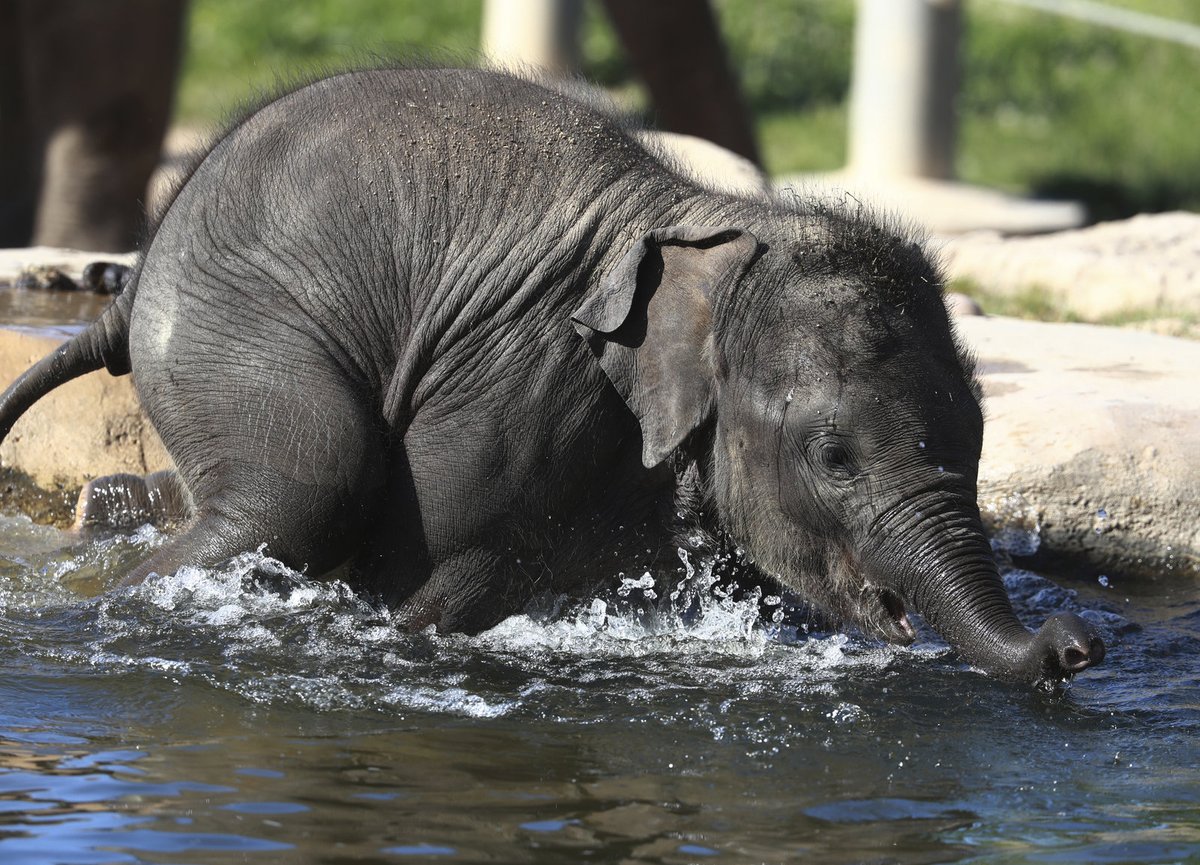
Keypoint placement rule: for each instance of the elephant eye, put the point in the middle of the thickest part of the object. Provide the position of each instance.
(835, 457)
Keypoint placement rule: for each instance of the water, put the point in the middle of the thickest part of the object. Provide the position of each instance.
(62, 312)
(249, 715)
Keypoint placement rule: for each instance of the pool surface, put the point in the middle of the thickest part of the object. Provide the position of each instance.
(250, 715)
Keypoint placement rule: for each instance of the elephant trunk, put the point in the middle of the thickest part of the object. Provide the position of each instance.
(948, 573)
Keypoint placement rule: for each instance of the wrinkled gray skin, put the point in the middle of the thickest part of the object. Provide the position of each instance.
(467, 334)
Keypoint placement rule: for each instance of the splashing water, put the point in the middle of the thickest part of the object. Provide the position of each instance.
(250, 709)
(1013, 524)
(273, 635)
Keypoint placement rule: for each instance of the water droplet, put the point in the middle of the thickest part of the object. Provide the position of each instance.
(791, 394)
(645, 582)
(921, 445)
(1103, 580)
(598, 612)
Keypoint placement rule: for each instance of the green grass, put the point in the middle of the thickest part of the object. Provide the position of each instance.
(810, 140)
(238, 49)
(1063, 109)
(1051, 108)
(1033, 302)
(1039, 303)
(1048, 106)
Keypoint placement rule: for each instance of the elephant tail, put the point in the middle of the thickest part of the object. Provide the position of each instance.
(104, 343)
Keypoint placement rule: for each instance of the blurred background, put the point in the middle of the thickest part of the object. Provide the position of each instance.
(1046, 105)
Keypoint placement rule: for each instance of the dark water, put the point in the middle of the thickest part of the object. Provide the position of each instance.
(214, 718)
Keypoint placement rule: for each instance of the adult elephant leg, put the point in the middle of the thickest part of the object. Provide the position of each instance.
(98, 80)
(20, 170)
(676, 47)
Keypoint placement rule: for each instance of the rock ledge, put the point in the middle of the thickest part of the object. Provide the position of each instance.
(1092, 434)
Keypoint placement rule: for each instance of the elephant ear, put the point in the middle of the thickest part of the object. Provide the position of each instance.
(650, 327)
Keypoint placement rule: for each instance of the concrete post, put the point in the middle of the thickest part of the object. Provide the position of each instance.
(532, 34)
(902, 120)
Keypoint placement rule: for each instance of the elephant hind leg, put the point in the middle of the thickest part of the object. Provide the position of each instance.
(288, 456)
(306, 526)
(208, 540)
(125, 501)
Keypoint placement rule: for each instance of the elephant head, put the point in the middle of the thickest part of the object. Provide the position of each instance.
(845, 423)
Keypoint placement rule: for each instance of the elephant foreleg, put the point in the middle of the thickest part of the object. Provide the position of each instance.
(468, 593)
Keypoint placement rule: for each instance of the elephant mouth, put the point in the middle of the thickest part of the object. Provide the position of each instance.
(880, 611)
(898, 616)
(887, 615)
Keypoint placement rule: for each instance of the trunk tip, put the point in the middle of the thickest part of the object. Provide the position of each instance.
(1064, 646)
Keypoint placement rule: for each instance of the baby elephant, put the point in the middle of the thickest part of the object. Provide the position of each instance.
(468, 336)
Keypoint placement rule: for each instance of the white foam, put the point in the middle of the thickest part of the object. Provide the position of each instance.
(453, 701)
(270, 634)
(687, 620)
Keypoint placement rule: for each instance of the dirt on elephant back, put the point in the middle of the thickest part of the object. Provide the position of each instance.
(20, 495)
